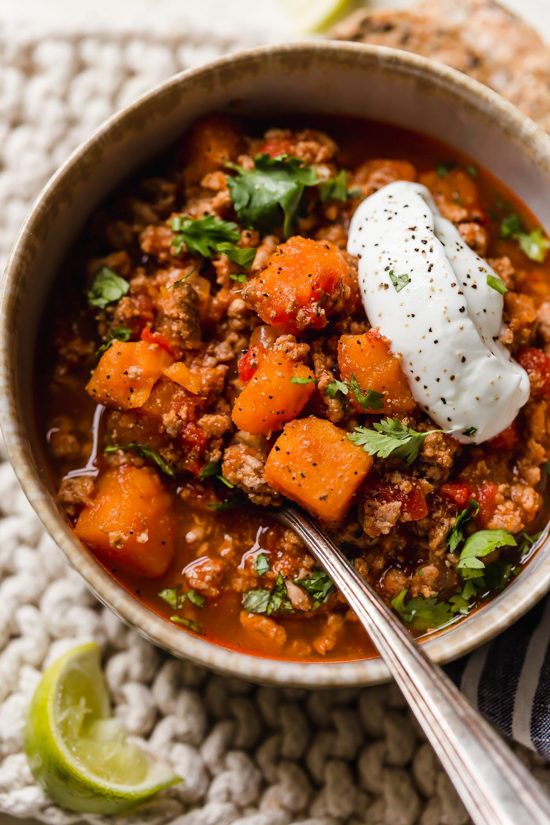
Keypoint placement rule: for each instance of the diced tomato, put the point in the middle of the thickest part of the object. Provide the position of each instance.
(194, 440)
(506, 440)
(276, 147)
(413, 504)
(249, 362)
(536, 363)
(151, 337)
(485, 494)
(458, 492)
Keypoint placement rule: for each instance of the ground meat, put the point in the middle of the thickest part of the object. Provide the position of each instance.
(178, 317)
(323, 365)
(374, 174)
(327, 639)
(394, 582)
(75, 493)
(505, 270)
(262, 626)
(379, 517)
(517, 505)
(206, 575)
(264, 252)
(521, 314)
(157, 241)
(215, 423)
(291, 558)
(243, 465)
(475, 235)
(291, 348)
(437, 456)
(64, 442)
(543, 317)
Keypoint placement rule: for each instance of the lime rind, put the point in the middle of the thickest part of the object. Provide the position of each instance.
(78, 754)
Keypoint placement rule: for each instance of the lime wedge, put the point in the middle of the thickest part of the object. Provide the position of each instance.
(78, 753)
(317, 15)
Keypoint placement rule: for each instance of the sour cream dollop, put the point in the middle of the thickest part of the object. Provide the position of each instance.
(427, 292)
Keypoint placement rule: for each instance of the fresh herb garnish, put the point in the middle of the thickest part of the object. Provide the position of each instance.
(443, 169)
(497, 284)
(335, 189)
(190, 623)
(225, 481)
(183, 278)
(534, 245)
(318, 585)
(399, 281)
(479, 545)
(241, 278)
(176, 597)
(145, 452)
(527, 543)
(209, 470)
(422, 613)
(472, 171)
(195, 598)
(456, 534)
(368, 399)
(469, 431)
(302, 379)
(209, 236)
(261, 563)
(270, 194)
(390, 437)
(106, 288)
(335, 387)
(115, 334)
(267, 602)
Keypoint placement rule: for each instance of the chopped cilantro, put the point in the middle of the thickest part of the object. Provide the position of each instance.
(335, 189)
(115, 334)
(399, 281)
(241, 278)
(269, 195)
(225, 481)
(302, 379)
(422, 613)
(318, 585)
(443, 169)
(189, 623)
(390, 437)
(472, 170)
(267, 601)
(145, 452)
(261, 563)
(195, 598)
(335, 387)
(479, 545)
(456, 534)
(534, 245)
(106, 288)
(369, 399)
(469, 431)
(213, 468)
(497, 284)
(175, 597)
(209, 236)
(527, 543)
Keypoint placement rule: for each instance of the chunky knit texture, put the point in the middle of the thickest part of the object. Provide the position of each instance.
(249, 755)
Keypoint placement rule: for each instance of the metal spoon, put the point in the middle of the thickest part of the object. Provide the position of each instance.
(494, 785)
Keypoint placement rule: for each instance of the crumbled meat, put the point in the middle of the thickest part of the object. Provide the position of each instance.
(243, 465)
(75, 493)
(206, 575)
(475, 235)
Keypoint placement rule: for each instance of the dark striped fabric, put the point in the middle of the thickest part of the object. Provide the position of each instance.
(509, 680)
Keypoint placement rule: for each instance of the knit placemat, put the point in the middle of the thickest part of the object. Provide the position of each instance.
(249, 755)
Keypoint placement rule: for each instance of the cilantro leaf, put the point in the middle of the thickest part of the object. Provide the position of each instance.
(115, 334)
(261, 563)
(497, 284)
(422, 613)
(335, 387)
(479, 545)
(390, 437)
(472, 171)
(399, 281)
(369, 399)
(175, 597)
(189, 623)
(225, 481)
(335, 189)
(242, 255)
(469, 431)
(534, 245)
(267, 601)
(270, 194)
(195, 598)
(456, 534)
(302, 379)
(106, 288)
(145, 452)
(240, 277)
(209, 470)
(210, 236)
(443, 169)
(318, 585)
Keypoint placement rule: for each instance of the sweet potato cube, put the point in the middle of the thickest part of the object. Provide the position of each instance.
(211, 142)
(186, 378)
(126, 374)
(277, 392)
(314, 463)
(130, 522)
(368, 358)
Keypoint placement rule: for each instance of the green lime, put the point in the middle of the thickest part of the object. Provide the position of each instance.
(77, 752)
(317, 15)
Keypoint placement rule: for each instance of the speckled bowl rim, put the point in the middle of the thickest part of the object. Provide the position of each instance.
(456, 641)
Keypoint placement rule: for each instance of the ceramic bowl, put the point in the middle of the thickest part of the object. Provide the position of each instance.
(318, 77)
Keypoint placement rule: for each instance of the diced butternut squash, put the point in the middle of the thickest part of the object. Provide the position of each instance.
(378, 172)
(127, 373)
(210, 143)
(314, 463)
(182, 375)
(454, 191)
(277, 392)
(368, 358)
(303, 283)
(130, 522)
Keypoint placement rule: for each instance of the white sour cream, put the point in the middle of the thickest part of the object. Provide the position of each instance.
(445, 320)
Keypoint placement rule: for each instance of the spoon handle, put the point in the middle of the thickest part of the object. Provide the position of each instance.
(493, 784)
